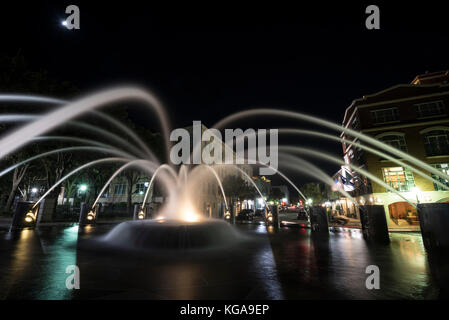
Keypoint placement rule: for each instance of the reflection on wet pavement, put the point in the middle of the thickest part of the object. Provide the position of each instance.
(287, 264)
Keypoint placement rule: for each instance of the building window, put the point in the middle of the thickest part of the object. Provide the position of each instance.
(120, 189)
(385, 115)
(429, 109)
(436, 142)
(444, 168)
(355, 123)
(396, 141)
(141, 187)
(398, 178)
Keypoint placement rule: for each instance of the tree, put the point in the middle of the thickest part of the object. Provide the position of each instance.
(236, 188)
(30, 180)
(55, 168)
(95, 178)
(314, 191)
(276, 194)
(17, 177)
(15, 76)
(70, 185)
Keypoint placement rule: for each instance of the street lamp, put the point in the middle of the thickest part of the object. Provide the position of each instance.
(82, 189)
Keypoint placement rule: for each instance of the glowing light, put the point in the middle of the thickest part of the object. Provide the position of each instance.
(90, 216)
(34, 190)
(188, 212)
(141, 215)
(29, 217)
(83, 187)
(190, 217)
(64, 23)
(270, 218)
(227, 215)
(309, 201)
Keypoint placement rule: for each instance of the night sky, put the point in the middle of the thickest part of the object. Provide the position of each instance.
(208, 60)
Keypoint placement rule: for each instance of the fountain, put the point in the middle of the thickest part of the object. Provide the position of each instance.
(178, 224)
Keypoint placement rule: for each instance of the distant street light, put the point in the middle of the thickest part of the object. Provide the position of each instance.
(83, 188)
(33, 190)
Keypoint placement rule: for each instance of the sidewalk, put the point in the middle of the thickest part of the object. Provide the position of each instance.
(352, 224)
(5, 222)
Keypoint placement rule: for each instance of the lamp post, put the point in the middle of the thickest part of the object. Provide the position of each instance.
(83, 188)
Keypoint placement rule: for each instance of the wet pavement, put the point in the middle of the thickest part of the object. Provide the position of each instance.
(287, 264)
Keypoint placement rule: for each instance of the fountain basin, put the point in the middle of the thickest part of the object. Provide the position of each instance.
(172, 235)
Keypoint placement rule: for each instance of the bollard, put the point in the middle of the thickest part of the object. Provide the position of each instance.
(434, 223)
(87, 216)
(374, 224)
(274, 209)
(149, 212)
(47, 209)
(98, 208)
(136, 211)
(139, 213)
(24, 215)
(318, 220)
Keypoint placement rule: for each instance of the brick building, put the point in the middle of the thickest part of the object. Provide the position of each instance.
(415, 119)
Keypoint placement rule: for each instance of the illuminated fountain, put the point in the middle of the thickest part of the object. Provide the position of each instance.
(178, 224)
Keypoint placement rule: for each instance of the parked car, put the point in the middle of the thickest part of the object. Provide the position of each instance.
(259, 213)
(245, 215)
